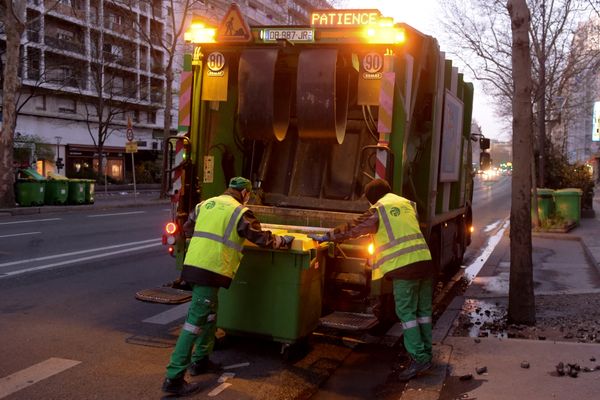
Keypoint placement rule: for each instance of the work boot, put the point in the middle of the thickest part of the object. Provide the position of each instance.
(413, 369)
(179, 386)
(204, 366)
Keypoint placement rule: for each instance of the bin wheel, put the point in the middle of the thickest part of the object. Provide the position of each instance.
(292, 352)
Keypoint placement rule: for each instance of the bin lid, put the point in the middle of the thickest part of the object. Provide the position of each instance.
(57, 177)
(568, 192)
(544, 191)
(32, 174)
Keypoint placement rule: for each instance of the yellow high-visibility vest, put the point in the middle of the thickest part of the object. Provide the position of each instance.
(398, 241)
(216, 245)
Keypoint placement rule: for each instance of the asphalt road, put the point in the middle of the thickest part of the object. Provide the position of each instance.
(72, 329)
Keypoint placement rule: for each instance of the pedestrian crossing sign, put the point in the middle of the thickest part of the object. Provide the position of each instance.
(233, 27)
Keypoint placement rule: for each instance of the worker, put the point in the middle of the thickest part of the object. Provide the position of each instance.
(218, 227)
(401, 255)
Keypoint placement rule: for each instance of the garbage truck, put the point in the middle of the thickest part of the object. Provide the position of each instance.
(311, 114)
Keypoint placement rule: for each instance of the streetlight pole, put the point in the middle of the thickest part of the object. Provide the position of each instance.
(59, 163)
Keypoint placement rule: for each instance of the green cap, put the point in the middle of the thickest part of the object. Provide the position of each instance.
(240, 183)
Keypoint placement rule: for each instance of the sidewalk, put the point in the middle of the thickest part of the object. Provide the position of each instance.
(103, 200)
(521, 361)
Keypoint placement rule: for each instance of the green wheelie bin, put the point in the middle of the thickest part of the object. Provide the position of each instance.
(57, 190)
(545, 203)
(29, 188)
(76, 191)
(568, 204)
(29, 192)
(89, 190)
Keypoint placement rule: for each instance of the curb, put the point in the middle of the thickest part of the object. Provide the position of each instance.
(95, 206)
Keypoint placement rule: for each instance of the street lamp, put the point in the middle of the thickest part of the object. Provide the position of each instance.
(59, 160)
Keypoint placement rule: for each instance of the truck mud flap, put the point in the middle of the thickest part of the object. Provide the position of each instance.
(348, 321)
(264, 99)
(164, 295)
(322, 95)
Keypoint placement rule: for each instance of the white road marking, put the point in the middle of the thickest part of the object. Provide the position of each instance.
(169, 316)
(472, 270)
(31, 220)
(239, 365)
(29, 376)
(58, 264)
(20, 234)
(113, 214)
(219, 389)
(77, 252)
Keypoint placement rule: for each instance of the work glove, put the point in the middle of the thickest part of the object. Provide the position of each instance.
(285, 242)
(319, 238)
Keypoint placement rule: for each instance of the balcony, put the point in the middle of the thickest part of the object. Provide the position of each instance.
(62, 44)
(32, 35)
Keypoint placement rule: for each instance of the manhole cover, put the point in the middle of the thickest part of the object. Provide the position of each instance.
(166, 295)
(349, 321)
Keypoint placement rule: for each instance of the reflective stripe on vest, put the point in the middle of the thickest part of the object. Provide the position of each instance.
(215, 245)
(225, 238)
(401, 243)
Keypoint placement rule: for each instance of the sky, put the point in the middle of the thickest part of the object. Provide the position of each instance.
(423, 15)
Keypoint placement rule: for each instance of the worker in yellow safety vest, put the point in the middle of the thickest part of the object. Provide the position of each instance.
(401, 254)
(218, 227)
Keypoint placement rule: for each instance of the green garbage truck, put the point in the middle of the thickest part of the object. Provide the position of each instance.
(310, 115)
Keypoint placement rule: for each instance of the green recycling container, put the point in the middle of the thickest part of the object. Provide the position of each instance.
(568, 204)
(29, 192)
(275, 294)
(545, 203)
(90, 190)
(56, 192)
(76, 191)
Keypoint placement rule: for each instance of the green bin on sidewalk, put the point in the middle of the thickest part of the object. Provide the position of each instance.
(568, 204)
(545, 203)
(76, 191)
(57, 189)
(29, 192)
(89, 190)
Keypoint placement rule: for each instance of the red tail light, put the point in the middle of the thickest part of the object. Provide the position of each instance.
(171, 250)
(171, 228)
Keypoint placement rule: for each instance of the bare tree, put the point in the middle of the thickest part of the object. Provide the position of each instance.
(482, 42)
(178, 14)
(521, 299)
(13, 18)
(107, 97)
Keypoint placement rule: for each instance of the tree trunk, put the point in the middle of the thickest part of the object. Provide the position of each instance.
(14, 27)
(541, 123)
(521, 299)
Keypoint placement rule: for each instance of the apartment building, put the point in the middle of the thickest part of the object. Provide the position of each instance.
(91, 61)
(574, 132)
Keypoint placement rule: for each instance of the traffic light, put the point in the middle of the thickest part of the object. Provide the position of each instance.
(485, 161)
(59, 163)
(484, 143)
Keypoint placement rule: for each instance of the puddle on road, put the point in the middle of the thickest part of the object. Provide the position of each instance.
(481, 318)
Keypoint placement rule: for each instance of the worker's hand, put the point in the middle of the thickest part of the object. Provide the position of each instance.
(287, 241)
(319, 238)
(283, 242)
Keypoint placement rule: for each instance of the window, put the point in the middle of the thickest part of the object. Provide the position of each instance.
(65, 2)
(40, 102)
(151, 119)
(67, 105)
(115, 20)
(62, 34)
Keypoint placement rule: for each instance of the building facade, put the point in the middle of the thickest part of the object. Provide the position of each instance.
(574, 132)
